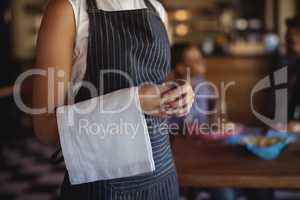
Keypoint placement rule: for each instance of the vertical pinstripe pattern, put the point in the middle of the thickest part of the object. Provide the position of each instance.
(134, 42)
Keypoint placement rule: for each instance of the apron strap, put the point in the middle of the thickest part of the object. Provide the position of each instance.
(92, 4)
(151, 7)
(56, 157)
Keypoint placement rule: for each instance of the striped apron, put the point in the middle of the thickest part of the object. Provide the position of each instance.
(129, 43)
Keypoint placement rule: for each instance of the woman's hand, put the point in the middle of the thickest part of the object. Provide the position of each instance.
(179, 99)
(167, 100)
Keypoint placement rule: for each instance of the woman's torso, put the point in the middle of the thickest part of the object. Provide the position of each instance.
(146, 59)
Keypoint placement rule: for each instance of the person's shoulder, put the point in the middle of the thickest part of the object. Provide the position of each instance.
(160, 9)
(60, 4)
(74, 7)
(58, 10)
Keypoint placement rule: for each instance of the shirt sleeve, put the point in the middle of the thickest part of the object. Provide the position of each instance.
(105, 138)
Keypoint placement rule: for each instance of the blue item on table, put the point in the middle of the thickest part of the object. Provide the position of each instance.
(264, 152)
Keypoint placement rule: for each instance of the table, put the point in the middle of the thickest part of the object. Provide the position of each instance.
(9, 90)
(6, 91)
(217, 165)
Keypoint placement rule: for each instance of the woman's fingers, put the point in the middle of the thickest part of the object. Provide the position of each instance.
(185, 99)
(183, 107)
(183, 112)
(165, 100)
(179, 112)
(176, 93)
(178, 101)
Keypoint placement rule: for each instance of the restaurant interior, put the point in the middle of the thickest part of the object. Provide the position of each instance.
(244, 45)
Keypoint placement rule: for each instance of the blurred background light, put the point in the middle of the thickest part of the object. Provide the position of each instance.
(241, 24)
(182, 15)
(182, 29)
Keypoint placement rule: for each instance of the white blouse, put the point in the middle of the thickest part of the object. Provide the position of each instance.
(97, 145)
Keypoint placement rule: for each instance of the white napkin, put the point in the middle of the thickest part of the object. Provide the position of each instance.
(101, 144)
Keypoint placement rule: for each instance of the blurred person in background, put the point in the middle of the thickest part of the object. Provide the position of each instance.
(188, 63)
(293, 59)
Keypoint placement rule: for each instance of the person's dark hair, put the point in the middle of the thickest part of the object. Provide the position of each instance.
(293, 22)
(177, 51)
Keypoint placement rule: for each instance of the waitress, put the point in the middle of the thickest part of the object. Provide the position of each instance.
(80, 39)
